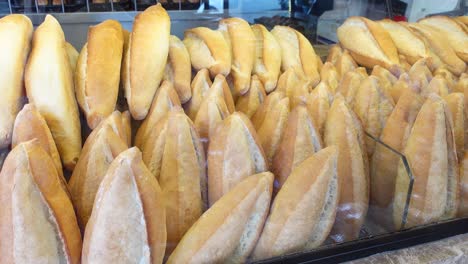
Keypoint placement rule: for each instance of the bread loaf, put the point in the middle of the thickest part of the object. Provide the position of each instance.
(312, 187)
(146, 58)
(250, 101)
(343, 130)
(164, 101)
(37, 221)
(437, 85)
(334, 54)
(176, 158)
(236, 219)
(349, 85)
(330, 75)
(448, 76)
(386, 78)
(221, 88)
(462, 20)
(463, 207)
(49, 66)
(431, 155)
(400, 86)
(369, 44)
(128, 206)
(97, 75)
(120, 124)
(268, 104)
(29, 125)
(178, 68)
(441, 47)
(15, 35)
(462, 84)
(200, 85)
(454, 33)
(420, 75)
(373, 105)
(267, 57)
(299, 141)
(318, 104)
(293, 84)
(456, 106)
(72, 55)
(384, 165)
(345, 63)
(234, 153)
(241, 42)
(208, 50)
(297, 52)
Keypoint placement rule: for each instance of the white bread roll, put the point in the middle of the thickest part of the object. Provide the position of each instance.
(178, 68)
(200, 85)
(318, 104)
(250, 101)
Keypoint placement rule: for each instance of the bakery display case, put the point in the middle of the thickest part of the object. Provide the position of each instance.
(230, 131)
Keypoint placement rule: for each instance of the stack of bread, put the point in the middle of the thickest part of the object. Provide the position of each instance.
(264, 152)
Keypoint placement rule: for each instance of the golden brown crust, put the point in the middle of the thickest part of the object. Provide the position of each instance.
(98, 71)
(293, 84)
(318, 104)
(178, 68)
(146, 58)
(334, 53)
(437, 85)
(349, 85)
(234, 153)
(330, 76)
(250, 101)
(456, 106)
(37, 220)
(200, 86)
(58, 106)
(236, 219)
(270, 102)
(72, 55)
(129, 204)
(345, 63)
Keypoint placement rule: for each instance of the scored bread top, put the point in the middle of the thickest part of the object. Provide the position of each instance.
(250, 101)
(178, 68)
(200, 86)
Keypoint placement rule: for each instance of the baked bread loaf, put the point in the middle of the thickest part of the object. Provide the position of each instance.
(236, 219)
(312, 187)
(330, 76)
(462, 20)
(268, 104)
(345, 63)
(29, 125)
(437, 85)
(454, 33)
(120, 123)
(178, 68)
(334, 54)
(200, 85)
(293, 84)
(439, 45)
(145, 59)
(15, 35)
(208, 50)
(456, 106)
(349, 85)
(420, 75)
(384, 165)
(386, 78)
(344, 131)
(267, 57)
(97, 75)
(431, 155)
(241, 42)
(174, 155)
(463, 208)
(448, 76)
(373, 105)
(58, 106)
(128, 206)
(369, 44)
(164, 101)
(72, 55)
(297, 52)
(37, 221)
(401, 85)
(250, 101)
(234, 153)
(221, 88)
(299, 141)
(318, 104)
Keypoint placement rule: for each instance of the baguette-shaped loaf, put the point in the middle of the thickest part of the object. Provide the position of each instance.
(344, 131)
(299, 141)
(334, 53)
(178, 68)
(271, 128)
(268, 104)
(37, 221)
(437, 85)
(99, 150)
(297, 52)
(373, 105)
(250, 101)
(386, 78)
(234, 153)
(293, 84)
(97, 73)
(241, 41)
(384, 165)
(267, 57)
(312, 187)
(345, 63)
(462, 19)
(401, 85)
(431, 155)
(330, 76)
(349, 85)
(455, 34)
(128, 221)
(463, 208)
(200, 85)
(72, 55)
(208, 50)
(49, 68)
(236, 219)
(178, 152)
(164, 101)
(221, 88)
(369, 43)
(15, 35)
(407, 43)
(29, 125)
(318, 104)
(462, 84)
(420, 75)
(146, 58)
(440, 47)
(456, 106)
(120, 123)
